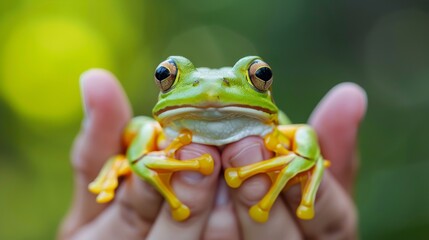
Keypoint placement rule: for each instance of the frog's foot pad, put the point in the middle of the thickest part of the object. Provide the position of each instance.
(326, 163)
(99, 186)
(305, 212)
(107, 180)
(181, 213)
(104, 189)
(94, 187)
(105, 196)
(258, 214)
(232, 177)
(206, 164)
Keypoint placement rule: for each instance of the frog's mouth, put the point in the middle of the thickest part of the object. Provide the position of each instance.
(214, 113)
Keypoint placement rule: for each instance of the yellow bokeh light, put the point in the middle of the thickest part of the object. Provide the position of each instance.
(41, 63)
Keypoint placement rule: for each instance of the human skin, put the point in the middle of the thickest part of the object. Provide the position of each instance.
(218, 212)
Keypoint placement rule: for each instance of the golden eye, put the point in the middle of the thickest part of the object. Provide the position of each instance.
(260, 75)
(165, 75)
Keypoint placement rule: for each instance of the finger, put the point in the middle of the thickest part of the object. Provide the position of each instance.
(107, 111)
(336, 120)
(280, 223)
(115, 222)
(222, 223)
(133, 212)
(335, 213)
(194, 190)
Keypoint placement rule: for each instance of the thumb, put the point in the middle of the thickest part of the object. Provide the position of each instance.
(336, 121)
(107, 111)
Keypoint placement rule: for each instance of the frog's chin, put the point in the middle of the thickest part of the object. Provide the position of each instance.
(216, 125)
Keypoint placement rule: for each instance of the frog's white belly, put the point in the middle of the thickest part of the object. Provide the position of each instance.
(214, 127)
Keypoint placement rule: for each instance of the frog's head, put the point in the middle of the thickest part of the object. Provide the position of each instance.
(202, 93)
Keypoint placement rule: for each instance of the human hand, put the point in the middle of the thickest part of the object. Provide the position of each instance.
(138, 211)
(336, 120)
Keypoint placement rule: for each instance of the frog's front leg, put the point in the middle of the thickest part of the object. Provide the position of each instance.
(297, 151)
(139, 137)
(107, 180)
(142, 137)
(157, 168)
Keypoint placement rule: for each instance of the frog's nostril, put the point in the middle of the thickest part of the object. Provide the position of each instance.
(212, 95)
(226, 82)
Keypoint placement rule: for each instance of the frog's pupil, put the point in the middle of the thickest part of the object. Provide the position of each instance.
(264, 73)
(162, 73)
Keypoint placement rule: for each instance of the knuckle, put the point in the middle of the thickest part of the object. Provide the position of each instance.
(254, 189)
(344, 227)
(130, 216)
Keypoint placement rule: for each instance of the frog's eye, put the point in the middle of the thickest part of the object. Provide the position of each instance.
(165, 75)
(260, 75)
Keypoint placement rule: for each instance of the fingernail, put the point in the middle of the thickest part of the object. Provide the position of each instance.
(82, 80)
(250, 154)
(191, 177)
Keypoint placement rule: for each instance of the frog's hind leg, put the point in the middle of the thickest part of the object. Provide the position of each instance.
(115, 167)
(297, 148)
(311, 184)
(157, 169)
(107, 180)
(260, 211)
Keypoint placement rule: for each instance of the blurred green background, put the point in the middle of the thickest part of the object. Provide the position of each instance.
(311, 45)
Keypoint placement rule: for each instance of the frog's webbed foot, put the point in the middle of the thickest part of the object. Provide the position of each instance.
(107, 180)
(297, 159)
(157, 168)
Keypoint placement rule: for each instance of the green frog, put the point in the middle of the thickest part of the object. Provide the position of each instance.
(216, 107)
